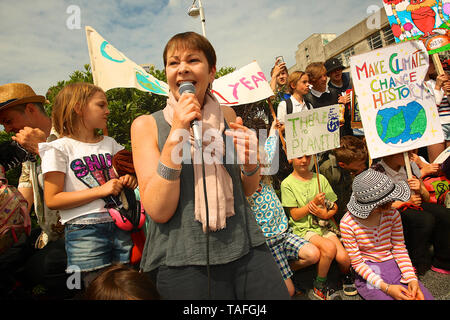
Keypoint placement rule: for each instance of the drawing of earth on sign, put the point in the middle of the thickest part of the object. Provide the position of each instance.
(401, 124)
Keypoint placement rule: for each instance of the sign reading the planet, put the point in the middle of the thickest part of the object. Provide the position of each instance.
(397, 109)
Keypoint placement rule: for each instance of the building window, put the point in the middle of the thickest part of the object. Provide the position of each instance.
(375, 41)
(339, 57)
(388, 36)
(347, 54)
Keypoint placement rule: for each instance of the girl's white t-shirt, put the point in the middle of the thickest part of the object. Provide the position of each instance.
(85, 165)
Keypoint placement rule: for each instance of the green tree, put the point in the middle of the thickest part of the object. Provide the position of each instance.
(125, 104)
(13, 174)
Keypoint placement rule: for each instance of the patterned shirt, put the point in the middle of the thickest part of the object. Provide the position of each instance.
(264, 202)
(378, 244)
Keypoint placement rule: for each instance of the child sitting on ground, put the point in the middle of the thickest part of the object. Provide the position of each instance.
(340, 166)
(300, 195)
(423, 222)
(372, 234)
(270, 216)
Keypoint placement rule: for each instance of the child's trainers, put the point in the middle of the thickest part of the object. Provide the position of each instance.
(348, 285)
(326, 293)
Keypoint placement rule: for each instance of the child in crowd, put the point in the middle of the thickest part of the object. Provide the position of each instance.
(321, 95)
(120, 282)
(300, 195)
(298, 86)
(270, 216)
(340, 166)
(279, 75)
(78, 175)
(439, 87)
(423, 222)
(372, 234)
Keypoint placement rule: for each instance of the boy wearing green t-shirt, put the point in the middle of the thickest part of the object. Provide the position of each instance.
(310, 214)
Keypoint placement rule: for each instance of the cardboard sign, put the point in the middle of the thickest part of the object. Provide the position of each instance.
(356, 116)
(112, 69)
(397, 110)
(425, 20)
(312, 131)
(246, 85)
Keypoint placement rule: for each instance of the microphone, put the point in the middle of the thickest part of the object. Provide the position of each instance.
(188, 87)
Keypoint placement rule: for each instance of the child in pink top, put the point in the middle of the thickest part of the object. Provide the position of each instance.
(372, 234)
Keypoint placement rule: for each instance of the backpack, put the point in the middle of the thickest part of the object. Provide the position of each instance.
(290, 106)
(438, 188)
(14, 218)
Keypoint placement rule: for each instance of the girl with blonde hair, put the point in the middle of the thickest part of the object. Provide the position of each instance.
(78, 176)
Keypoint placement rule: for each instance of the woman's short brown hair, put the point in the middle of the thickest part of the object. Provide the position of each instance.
(194, 41)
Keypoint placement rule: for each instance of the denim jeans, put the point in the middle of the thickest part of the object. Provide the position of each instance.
(95, 246)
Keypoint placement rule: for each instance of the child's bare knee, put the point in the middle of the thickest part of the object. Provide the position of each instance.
(310, 253)
(328, 249)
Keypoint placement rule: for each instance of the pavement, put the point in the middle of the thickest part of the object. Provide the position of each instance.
(438, 284)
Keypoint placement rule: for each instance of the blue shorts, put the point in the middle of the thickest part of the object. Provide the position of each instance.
(94, 246)
(284, 247)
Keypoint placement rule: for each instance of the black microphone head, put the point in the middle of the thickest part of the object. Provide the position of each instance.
(187, 87)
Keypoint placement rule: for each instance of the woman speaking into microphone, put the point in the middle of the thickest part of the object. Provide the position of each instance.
(193, 257)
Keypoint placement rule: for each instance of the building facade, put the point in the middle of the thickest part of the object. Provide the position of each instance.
(371, 33)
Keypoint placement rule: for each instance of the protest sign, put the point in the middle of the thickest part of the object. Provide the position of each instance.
(427, 20)
(112, 69)
(312, 131)
(397, 110)
(246, 85)
(356, 116)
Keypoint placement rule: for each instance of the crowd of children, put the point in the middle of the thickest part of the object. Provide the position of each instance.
(377, 224)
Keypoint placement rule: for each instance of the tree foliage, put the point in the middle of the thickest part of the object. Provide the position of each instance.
(125, 104)
(13, 174)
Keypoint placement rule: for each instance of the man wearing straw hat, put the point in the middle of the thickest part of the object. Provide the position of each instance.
(22, 112)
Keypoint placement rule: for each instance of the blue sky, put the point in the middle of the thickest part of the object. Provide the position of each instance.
(38, 48)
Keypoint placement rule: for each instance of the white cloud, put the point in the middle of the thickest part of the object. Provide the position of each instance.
(38, 48)
(278, 13)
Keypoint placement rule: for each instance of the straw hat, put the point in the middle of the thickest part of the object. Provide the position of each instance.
(13, 94)
(372, 189)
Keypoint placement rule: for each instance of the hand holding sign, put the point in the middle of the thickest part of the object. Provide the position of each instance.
(312, 131)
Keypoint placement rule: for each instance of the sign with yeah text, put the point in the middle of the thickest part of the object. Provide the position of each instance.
(397, 109)
(246, 85)
(312, 131)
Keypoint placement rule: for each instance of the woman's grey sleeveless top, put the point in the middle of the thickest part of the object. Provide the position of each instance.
(181, 241)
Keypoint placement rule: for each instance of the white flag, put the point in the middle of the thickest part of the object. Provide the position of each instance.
(112, 69)
(246, 85)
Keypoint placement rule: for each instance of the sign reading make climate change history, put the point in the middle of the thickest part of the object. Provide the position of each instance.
(397, 110)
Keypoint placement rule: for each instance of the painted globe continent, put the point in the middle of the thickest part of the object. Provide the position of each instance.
(401, 124)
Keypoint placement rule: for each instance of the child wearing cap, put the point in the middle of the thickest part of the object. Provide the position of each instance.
(308, 210)
(372, 234)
